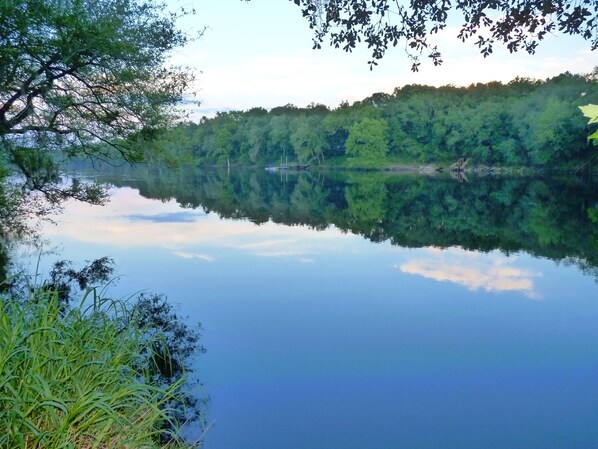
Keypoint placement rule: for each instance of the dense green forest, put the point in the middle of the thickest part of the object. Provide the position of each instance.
(546, 217)
(523, 123)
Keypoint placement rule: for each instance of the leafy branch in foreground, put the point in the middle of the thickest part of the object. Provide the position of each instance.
(591, 111)
(381, 24)
(84, 78)
(87, 76)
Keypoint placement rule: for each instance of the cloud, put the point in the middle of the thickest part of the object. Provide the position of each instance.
(185, 255)
(186, 57)
(301, 76)
(269, 81)
(490, 272)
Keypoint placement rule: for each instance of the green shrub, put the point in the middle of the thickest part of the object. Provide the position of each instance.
(71, 378)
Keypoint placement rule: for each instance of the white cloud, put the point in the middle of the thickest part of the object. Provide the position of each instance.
(269, 81)
(269, 76)
(185, 255)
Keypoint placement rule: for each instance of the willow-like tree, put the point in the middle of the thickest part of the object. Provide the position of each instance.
(380, 24)
(87, 76)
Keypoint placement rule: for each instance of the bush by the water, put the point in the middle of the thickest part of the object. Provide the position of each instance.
(77, 377)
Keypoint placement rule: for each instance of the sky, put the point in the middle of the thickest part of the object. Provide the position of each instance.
(259, 53)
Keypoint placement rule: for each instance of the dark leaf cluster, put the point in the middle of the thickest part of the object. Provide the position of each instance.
(171, 355)
(66, 280)
(380, 24)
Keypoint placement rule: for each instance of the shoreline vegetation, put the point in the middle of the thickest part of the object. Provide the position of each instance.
(430, 168)
(102, 373)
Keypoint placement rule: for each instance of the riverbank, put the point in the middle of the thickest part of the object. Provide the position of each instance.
(79, 377)
(427, 169)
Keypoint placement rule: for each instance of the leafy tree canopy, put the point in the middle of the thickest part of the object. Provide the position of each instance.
(83, 77)
(519, 25)
(526, 122)
(86, 76)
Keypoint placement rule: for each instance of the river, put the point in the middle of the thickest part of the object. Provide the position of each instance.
(366, 310)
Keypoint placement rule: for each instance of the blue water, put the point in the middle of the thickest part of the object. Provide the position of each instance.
(322, 339)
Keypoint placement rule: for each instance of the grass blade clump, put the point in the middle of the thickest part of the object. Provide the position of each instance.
(71, 378)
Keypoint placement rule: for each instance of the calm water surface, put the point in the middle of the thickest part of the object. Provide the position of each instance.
(368, 313)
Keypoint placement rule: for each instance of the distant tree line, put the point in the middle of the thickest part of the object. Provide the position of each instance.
(522, 123)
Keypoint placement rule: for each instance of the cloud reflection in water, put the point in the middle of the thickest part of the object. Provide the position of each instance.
(130, 220)
(491, 272)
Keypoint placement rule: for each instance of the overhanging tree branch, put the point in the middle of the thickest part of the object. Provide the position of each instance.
(95, 66)
(85, 77)
(520, 25)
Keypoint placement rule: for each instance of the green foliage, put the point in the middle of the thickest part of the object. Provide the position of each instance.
(75, 74)
(223, 143)
(591, 111)
(173, 148)
(523, 123)
(547, 139)
(366, 143)
(280, 134)
(307, 141)
(167, 344)
(73, 379)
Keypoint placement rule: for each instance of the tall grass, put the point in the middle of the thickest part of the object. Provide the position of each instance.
(71, 378)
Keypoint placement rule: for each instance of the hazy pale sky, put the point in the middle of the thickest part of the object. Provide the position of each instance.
(259, 53)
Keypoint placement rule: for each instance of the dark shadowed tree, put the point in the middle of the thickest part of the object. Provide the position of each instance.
(380, 24)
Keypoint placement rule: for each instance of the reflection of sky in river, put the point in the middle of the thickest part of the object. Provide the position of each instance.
(491, 272)
(321, 339)
(130, 221)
